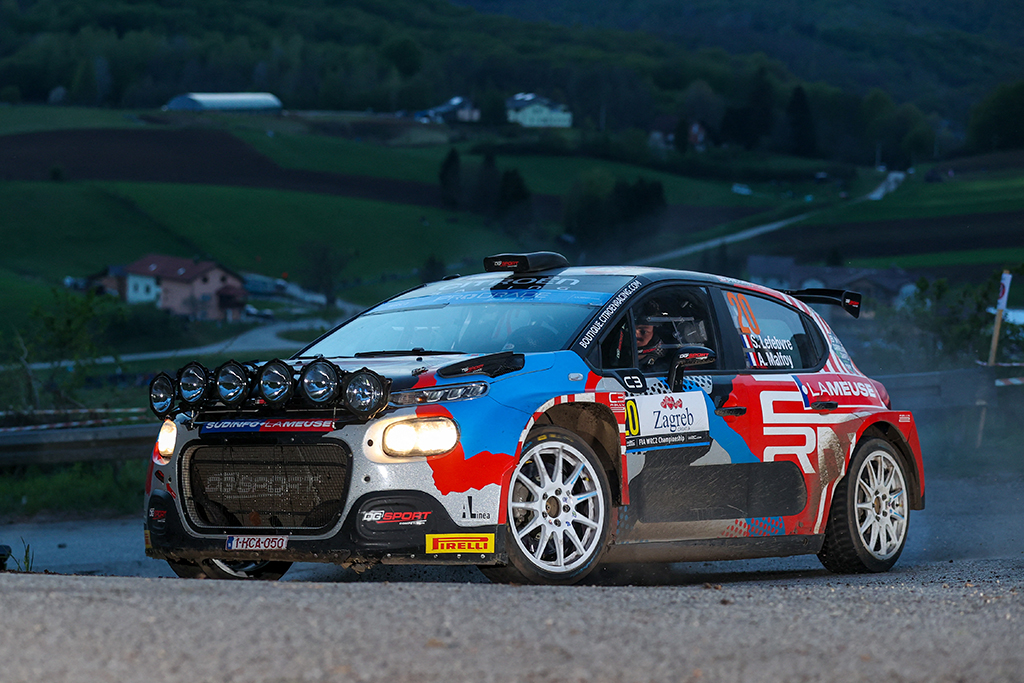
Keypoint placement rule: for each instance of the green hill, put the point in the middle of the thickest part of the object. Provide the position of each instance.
(77, 229)
(408, 55)
(944, 56)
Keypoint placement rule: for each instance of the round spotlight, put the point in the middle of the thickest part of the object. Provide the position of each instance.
(275, 384)
(161, 394)
(232, 383)
(192, 382)
(364, 393)
(319, 383)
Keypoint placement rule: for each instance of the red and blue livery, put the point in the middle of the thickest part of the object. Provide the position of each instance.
(536, 420)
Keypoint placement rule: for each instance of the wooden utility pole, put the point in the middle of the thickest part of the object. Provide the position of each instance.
(1004, 293)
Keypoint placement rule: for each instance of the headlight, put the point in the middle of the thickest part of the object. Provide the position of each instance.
(192, 382)
(232, 383)
(364, 393)
(437, 394)
(161, 394)
(319, 383)
(275, 384)
(165, 442)
(427, 436)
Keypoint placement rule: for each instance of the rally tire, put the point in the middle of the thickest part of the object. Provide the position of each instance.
(557, 510)
(870, 513)
(230, 570)
(186, 569)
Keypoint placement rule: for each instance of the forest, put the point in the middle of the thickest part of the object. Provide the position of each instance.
(943, 56)
(405, 55)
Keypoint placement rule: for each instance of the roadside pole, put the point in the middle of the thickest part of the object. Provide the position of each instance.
(1004, 293)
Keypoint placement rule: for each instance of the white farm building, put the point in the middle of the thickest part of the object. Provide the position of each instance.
(532, 111)
(224, 101)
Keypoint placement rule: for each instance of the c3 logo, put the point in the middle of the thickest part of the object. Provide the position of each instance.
(633, 382)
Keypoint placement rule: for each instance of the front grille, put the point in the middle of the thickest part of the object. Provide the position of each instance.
(265, 486)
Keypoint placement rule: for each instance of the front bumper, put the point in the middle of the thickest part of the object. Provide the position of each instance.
(388, 511)
(397, 527)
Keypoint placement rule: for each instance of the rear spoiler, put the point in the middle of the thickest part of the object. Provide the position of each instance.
(850, 301)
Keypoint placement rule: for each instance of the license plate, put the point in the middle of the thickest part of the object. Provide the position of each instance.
(256, 543)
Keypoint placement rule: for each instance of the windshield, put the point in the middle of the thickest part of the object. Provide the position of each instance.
(485, 314)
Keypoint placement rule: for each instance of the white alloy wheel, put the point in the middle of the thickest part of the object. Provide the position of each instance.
(557, 507)
(881, 505)
(869, 517)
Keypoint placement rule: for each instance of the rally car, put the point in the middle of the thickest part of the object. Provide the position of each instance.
(536, 420)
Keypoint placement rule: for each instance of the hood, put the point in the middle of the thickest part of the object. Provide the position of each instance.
(417, 372)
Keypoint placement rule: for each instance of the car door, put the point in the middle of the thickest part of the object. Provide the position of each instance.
(685, 464)
(769, 408)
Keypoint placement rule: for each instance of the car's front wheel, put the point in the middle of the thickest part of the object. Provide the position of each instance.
(557, 510)
(242, 570)
(870, 513)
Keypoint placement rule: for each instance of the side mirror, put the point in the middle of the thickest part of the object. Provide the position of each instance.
(689, 357)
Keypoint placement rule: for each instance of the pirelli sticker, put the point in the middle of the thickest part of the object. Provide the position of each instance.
(460, 543)
(666, 421)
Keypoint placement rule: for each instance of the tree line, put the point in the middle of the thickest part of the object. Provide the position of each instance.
(390, 55)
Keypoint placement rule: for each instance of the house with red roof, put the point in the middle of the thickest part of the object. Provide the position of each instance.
(200, 290)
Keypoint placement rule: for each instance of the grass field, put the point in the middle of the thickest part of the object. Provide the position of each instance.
(20, 295)
(25, 118)
(944, 258)
(268, 231)
(553, 175)
(918, 199)
(339, 155)
(100, 488)
(78, 229)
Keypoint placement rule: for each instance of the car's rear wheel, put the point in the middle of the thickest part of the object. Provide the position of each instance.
(870, 513)
(557, 509)
(240, 570)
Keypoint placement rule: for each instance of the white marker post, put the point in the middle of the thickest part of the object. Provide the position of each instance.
(1004, 293)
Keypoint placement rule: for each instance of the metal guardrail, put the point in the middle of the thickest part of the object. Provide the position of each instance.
(125, 442)
(942, 389)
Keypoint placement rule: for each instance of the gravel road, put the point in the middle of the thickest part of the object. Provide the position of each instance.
(951, 610)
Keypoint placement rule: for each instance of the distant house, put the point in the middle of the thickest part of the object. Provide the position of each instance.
(224, 101)
(531, 111)
(697, 136)
(455, 110)
(200, 290)
(112, 280)
(663, 133)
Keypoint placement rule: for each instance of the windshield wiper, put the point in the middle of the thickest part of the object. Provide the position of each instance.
(408, 352)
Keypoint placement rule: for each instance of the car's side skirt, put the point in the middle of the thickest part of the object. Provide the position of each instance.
(714, 549)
